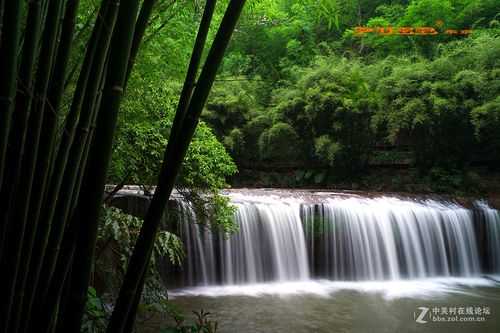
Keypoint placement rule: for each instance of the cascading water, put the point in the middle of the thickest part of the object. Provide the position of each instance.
(492, 228)
(388, 238)
(200, 265)
(269, 246)
(343, 238)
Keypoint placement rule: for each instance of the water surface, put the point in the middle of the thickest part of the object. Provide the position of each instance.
(327, 306)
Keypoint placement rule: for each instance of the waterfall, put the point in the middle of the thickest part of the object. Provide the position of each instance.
(343, 238)
(388, 238)
(492, 228)
(269, 246)
(200, 265)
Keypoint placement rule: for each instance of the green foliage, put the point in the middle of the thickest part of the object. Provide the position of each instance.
(138, 154)
(427, 12)
(436, 106)
(143, 129)
(117, 235)
(445, 181)
(224, 214)
(235, 142)
(326, 149)
(329, 110)
(202, 324)
(310, 93)
(298, 88)
(207, 162)
(280, 142)
(95, 316)
(486, 121)
(229, 103)
(116, 239)
(231, 107)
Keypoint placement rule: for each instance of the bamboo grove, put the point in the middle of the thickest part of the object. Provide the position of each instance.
(54, 158)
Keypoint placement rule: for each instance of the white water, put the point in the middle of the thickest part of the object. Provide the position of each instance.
(270, 245)
(421, 288)
(389, 238)
(290, 243)
(492, 218)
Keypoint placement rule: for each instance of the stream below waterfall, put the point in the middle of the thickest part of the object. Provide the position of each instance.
(356, 307)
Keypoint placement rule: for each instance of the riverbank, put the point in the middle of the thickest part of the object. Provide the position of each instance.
(476, 183)
(480, 183)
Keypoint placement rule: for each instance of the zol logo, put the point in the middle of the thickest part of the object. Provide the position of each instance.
(420, 318)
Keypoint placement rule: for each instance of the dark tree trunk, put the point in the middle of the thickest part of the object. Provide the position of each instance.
(11, 27)
(47, 147)
(174, 156)
(18, 212)
(89, 205)
(106, 18)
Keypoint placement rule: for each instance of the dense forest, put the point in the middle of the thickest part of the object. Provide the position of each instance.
(301, 94)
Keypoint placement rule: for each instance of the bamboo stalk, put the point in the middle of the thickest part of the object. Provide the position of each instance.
(108, 10)
(50, 121)
(75, 159)
(11, 20)
(51, 308)
(140, 28)
(17, 138)
(11, 26)
(18, 215)
(23, 98)
(92, 192)
(48, 312)
(62, 303)
(78, 34)
(65, 261)
(23, 101)
(47, 145)
(2, 6)
(130, 320)
(174, 155)
(194, 64)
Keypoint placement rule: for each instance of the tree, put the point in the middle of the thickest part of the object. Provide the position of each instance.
(177, 146)
(52, 185)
